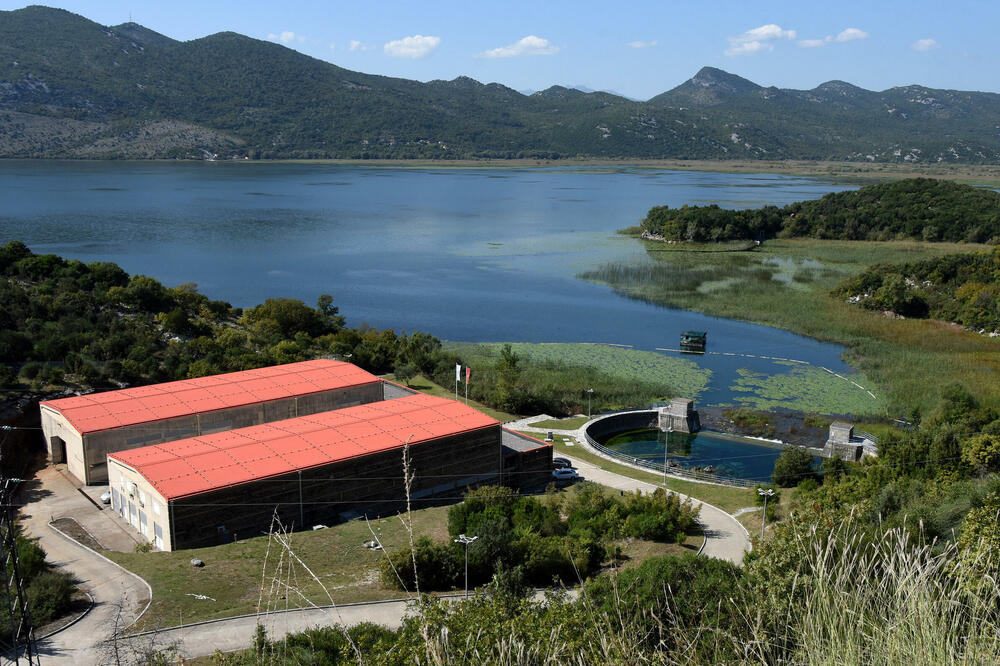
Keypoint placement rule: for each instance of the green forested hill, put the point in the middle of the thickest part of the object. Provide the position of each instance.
(914, 208)
(72, 88)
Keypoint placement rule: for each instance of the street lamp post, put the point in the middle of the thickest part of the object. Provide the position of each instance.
(666, 446)
(765, 493)
(590, 392)
(466, 540)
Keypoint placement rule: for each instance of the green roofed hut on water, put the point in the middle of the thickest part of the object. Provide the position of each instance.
(693, 341)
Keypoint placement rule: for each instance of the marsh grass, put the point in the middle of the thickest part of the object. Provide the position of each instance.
(909, 359)
(880, 601)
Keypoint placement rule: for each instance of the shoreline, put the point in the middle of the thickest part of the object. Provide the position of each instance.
(985, 174)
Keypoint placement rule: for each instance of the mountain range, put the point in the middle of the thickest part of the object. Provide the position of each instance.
(71, 88)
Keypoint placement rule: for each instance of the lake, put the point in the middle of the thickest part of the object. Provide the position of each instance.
(463, 253)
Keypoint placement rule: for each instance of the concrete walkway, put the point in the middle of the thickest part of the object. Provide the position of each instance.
(119, 597)
(725, 537)
(237, 633)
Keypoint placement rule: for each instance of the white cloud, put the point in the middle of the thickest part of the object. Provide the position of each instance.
(642, 45)
(746, 48)
(333, 46)
(924, 45)
(850, 34)
(758, 39)
(286, 37)
(530, 45)
(417, 46)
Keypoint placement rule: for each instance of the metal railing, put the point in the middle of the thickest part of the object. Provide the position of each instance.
(866, 435)
(674, 471)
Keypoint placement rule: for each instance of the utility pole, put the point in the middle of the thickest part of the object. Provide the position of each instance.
(666, 447)
(590, 392)
(22, 631)
(466, 540)
(765, 493)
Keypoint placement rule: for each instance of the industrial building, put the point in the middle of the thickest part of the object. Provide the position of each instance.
(314, 469)
(81, 431)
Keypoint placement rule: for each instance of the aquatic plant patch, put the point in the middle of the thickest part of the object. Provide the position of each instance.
(681, 375)
(808, 389)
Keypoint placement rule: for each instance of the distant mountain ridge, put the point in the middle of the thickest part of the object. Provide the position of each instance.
(70, 87)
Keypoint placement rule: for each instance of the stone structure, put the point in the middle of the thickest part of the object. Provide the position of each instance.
(842, 443)
(680, 416)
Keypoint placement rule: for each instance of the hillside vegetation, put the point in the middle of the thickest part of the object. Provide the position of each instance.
(914, 208)
(70, 87)
(961, 288)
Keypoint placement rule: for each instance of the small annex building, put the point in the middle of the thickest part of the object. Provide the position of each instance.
(82, 430)
(315, 469)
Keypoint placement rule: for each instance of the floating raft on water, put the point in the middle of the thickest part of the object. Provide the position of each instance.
(693, 341)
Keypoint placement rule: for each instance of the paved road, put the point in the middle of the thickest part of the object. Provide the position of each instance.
(237, 633)
(51, 495)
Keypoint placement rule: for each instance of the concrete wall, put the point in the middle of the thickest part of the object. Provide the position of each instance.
(87, 456)
(604, 428)
(71, 452)
(332, 493)
(139, 504)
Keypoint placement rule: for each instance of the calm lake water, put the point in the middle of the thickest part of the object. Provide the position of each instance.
(464, 254)
(733, 458)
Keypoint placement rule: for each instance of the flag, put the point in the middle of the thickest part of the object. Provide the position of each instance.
(458, 372)
(468, 373)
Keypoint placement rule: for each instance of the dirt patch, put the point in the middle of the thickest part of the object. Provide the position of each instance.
(73, 529)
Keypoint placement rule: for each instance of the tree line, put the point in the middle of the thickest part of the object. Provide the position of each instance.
(915, 208)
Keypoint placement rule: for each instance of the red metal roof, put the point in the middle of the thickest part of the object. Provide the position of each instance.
(199, 464)
(143, 404)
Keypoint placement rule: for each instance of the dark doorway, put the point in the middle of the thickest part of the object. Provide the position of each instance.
(58, 447)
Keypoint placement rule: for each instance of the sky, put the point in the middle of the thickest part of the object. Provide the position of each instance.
(638, 49)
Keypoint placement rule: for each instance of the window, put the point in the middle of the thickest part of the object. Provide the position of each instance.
(156, 508)
(158, 536)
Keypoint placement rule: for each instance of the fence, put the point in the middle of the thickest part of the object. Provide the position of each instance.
(662, 467)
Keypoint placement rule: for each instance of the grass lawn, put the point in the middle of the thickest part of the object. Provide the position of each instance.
(232, 575)
(562, 424)
(787, 283)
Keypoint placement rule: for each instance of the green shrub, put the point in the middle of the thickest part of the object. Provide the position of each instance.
(49, 596)
(794, 465)
(439, 566)
(674, 599)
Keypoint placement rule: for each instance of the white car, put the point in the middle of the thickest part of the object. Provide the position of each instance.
(565, 475)
(106, 498)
